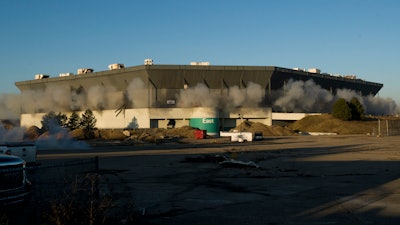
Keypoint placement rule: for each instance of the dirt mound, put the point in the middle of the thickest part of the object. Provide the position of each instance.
(327, 123)
(254, 127)
(185, 132)
(110, 134)
(7, 124)
(152, 135)
(32, 133)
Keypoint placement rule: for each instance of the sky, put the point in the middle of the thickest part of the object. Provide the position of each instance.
(346, 37)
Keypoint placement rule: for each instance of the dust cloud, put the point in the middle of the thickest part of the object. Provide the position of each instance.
(201, 96)
(295, 96)
(137, 93)
(300, 96)
(198, 96)
(59, 138)
(14, 134)
(64, 99)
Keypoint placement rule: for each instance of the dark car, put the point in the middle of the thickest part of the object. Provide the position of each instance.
(14, 185)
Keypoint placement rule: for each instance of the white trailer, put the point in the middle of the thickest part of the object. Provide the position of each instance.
(25, 151)
(237, 136)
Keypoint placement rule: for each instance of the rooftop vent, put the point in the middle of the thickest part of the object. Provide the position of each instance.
(65, 74)
(41, 76)
(116, 66)
(199, 63)
(85, 71)
(148, 62)
(314, 70)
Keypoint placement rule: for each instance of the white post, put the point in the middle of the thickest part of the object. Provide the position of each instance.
(379, 127)
(387, 128)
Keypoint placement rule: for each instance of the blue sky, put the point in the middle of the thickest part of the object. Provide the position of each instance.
(339, 37)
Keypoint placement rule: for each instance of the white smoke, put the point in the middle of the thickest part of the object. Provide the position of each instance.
(14, 134)
(300, 96)
(101, 97)
(78, 99)
(137, 93)
(236, 96)
(198, 96)
(201, 96)
(59, 138)
(59, 98)
(56, 138)
(381, 106)
(96, 101)
(63, 99)
(251, 96)
(10, 106)
(295, 96)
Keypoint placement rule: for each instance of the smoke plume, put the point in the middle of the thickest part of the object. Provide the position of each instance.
(59, 138)
(198, 96)
(63, 99)
(56, 138)
(14, 134)
(251, 96)
(201, 96)
(137, 93)
(300, 96)
(295, 96)
(103, 97)
(10, 106)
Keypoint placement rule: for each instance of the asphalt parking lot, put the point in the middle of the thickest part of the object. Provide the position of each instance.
(280, 180)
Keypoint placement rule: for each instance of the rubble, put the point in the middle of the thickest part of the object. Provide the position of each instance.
(239, 164)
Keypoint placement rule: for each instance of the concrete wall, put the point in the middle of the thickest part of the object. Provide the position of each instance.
(134, 118)
(158, 117)
(291, 116)
(106, 119)
(262, 115)
(28, 120)
(178, 123)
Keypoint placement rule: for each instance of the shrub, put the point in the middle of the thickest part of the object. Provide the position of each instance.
(88, 123)
(74, 121)
(357, 110)
(81, 203)
(341, 110)
(52, 122)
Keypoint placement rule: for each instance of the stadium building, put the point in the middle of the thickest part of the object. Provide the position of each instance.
(208, 97)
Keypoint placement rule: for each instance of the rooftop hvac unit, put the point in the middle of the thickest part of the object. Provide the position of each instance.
(199, 63)
(116, 66)
(350, 77)
(41, 76)
(65, 74)
(148, 62)
(314, 70)
(85, 71)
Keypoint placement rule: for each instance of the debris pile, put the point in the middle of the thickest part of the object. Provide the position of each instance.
(238, 164)
(254, 127)
(223, 161)
(328, 124)
(32, 133)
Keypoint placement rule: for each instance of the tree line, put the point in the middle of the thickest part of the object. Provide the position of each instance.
(52, 121)
(345, 110)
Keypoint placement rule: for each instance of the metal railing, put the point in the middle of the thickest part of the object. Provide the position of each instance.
(387, 128)
(50, 182)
